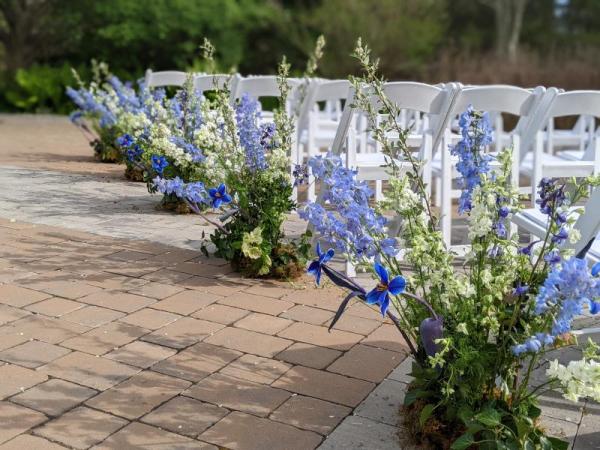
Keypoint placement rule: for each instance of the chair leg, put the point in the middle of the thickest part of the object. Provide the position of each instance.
(438, 191)
(350, 269)
(378, 190)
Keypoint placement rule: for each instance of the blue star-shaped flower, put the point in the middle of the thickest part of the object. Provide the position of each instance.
(315, 267)
(159, 163)
(381, 293)
(219, 196)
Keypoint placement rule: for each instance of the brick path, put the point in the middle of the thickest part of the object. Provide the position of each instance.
(112, 343)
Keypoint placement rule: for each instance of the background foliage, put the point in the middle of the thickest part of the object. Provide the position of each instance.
(429, 40)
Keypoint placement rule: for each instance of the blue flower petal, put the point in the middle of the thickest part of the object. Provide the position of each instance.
(384, 302)
(382, 272)
(327, 256)
(397, 285)
(372, 297)
(596, 269)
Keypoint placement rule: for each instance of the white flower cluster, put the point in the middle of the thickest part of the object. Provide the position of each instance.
(577, 379)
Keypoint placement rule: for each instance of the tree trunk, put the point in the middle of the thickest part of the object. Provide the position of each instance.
(509, 22)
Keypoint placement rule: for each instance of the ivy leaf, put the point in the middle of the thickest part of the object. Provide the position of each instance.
(489, 417)
(426, 413)
(463, 442)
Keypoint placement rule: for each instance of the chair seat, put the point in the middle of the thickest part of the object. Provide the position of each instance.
(553, 166)
(571, 155)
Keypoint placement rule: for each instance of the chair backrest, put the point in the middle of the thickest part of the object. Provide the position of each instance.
(573, 103)
(261, 86)
(211, 82)
(514, 100)
(435, 101)
(319, 90)
(165, 78)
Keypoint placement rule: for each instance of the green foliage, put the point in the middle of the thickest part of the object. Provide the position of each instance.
(38, 88)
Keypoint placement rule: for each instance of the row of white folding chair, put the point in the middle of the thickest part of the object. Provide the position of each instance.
(540, 164)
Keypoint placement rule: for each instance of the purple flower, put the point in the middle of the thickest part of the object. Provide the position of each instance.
(219, 196)
(431, 329)
(381, 293)
(315, 266)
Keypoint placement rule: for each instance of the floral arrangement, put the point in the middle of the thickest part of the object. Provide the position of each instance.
(476, 327)
(101, 109)
(212, 155)
(165, 140)
(246, 162)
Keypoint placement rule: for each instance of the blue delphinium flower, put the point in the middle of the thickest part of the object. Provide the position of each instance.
(159, 163)
(381, 293)
(473, 162)
(219, 195)
(300, 174)
(247, 114)
(322, 258)
(188, 148)
(566, 290)
(352, 223)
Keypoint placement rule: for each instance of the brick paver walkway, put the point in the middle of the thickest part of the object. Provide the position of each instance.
(110, 343)
(114, 342)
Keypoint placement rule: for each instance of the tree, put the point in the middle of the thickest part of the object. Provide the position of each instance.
(509, 22)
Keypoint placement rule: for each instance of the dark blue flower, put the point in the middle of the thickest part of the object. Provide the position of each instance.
(125, 141)
(520, 289)
(219, 196)
(561, 236)
(315, 266)
(594, 307)
(553, 257)
(159, 163)
(133, 154)
(381, 293)
(504, 211)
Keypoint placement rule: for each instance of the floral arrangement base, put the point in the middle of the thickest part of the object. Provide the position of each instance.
(106, 154)
(175, 205)
(133, 173)
(287, 264)
(433, 435)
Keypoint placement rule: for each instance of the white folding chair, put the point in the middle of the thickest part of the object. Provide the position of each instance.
(217, 81)
(539, 164)
(588, 225)
(165, 78)
(523, 103)
(431, 102)
(317, 126)
(573, 139)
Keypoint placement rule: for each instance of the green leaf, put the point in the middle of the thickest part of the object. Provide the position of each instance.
(534, 411)
(529, 445)
(463, 442)
(465, 414)
(489, 417)
(558, 444)
(426, 413)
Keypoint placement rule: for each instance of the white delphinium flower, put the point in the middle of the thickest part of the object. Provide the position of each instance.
(480, 219)
(577, 379)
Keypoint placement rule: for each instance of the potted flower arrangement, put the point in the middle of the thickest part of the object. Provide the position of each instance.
(475, 330)
(101, 105)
